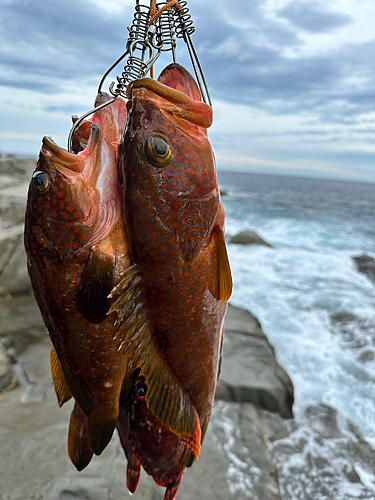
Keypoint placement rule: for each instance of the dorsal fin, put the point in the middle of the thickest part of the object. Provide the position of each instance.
(61, 386)
(165, 398)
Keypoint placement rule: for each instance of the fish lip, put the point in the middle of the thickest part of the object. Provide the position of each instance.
(68, 164)
(171, 100)
(73, 166)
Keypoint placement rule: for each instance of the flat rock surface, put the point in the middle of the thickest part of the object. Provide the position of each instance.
(250, 372)
(33, 434)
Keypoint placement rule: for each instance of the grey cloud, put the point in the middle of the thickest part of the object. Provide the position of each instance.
(311, 16)
(68, 109)
(59, 41)
(46, 87)
(242, 51)
(248, 64)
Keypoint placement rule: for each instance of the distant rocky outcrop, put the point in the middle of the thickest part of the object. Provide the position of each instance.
(366, 265)
(248, 238)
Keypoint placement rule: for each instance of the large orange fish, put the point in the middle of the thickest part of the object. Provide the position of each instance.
(174, 220)
(77, 252)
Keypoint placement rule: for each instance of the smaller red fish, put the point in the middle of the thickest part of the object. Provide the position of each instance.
(77, 252)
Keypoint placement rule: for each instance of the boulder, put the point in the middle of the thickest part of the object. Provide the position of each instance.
(250, 372)
(366, 265)
(248, 238)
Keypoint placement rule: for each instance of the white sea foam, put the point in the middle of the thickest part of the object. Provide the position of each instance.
(315, 307)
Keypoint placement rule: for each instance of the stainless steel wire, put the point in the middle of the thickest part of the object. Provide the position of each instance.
(145, 44)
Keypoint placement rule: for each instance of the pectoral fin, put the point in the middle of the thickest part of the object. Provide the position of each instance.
(79, 449)
(165, 398)
(95, 286)
(61, 386)
(222, 284)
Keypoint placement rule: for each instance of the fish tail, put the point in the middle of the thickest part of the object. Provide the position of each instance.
(79, 448)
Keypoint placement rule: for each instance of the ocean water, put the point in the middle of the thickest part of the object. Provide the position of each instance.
(317, 310)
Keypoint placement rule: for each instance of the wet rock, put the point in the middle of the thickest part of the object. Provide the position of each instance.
(248, 238)
(320, 456)
(235, 462)
(7, 376)
(366, 356)
(250, 372)
(356, 333)
(366, 265)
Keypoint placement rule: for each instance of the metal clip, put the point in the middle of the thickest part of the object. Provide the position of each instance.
(155, 39)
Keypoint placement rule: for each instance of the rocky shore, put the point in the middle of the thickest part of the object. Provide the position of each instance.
(253, 449)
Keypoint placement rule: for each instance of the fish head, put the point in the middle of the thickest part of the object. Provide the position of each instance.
(166, 134)
(69, 197)
(168, 164)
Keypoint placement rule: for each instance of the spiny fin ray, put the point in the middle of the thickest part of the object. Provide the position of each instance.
(179, 415)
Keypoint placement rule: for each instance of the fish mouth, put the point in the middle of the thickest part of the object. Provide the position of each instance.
(85, 165)
(175, 93)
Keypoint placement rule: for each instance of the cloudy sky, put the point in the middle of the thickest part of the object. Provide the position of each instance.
(292, 81)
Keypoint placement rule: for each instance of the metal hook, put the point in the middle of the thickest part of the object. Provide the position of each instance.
(80, 120)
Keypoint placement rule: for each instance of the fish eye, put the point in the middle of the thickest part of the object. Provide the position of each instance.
(140, 389)
(158, 151)
(40, 182)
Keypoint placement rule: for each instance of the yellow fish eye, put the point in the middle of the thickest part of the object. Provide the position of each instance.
(158, 151)
(40, 182)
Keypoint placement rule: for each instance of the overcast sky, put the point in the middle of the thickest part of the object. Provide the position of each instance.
(292, 81)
